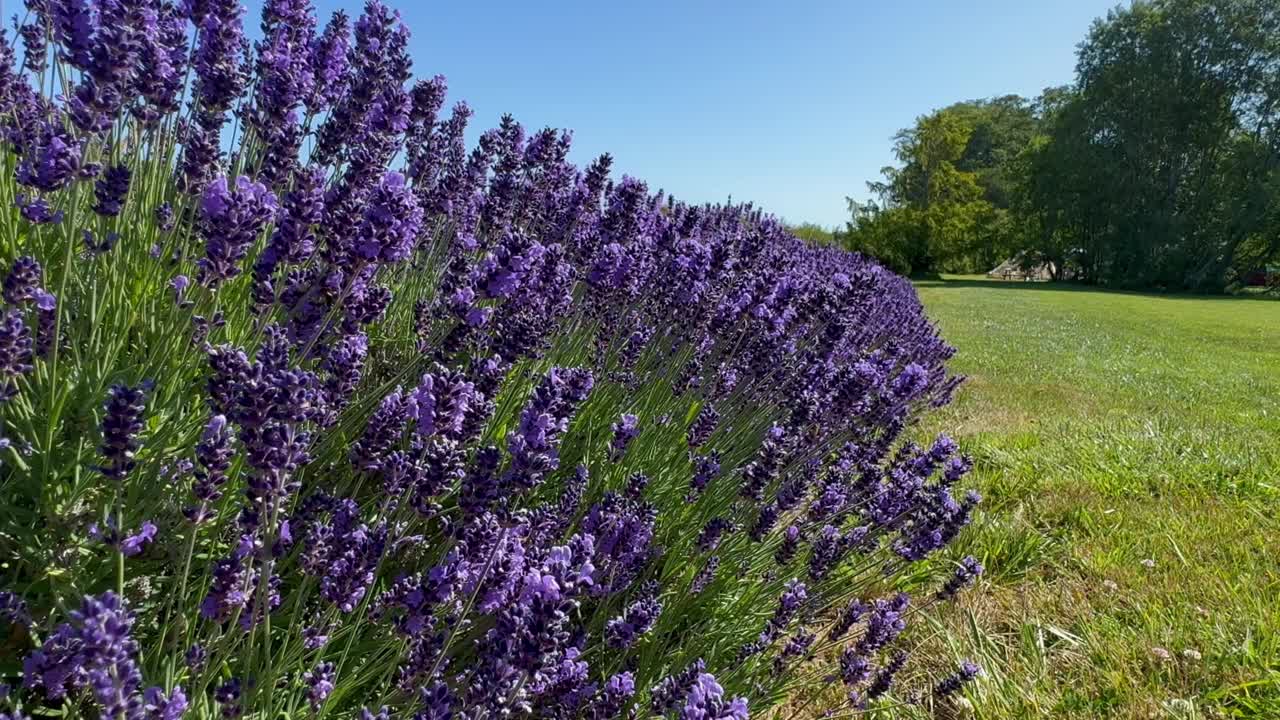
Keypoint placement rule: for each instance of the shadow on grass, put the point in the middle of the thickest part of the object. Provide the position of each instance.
(978, 281)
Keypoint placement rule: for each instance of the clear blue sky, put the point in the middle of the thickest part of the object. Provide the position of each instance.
(790, 104)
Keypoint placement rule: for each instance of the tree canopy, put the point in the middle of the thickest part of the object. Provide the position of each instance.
(1158, 167)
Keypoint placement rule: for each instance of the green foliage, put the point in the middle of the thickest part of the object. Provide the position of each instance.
(814, 233)
(1163, 161)
(948, 206)
(1159, 167)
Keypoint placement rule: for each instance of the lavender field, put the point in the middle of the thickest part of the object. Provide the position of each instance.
(311, 407)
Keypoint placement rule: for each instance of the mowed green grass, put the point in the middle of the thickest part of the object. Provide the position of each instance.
(1128, 447)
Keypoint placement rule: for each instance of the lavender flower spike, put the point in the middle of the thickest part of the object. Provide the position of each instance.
(391, 222)
(706, 701)
(121, 424)
(231, 217)
(952, 683)
(624, 431)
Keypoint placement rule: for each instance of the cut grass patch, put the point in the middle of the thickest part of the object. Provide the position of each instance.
(1128, 446)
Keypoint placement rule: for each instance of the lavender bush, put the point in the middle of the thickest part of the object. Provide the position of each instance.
(310, 409)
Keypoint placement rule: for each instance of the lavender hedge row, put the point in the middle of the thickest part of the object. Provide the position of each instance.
(310, 409)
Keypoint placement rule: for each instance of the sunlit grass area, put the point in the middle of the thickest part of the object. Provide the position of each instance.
(1128, 447)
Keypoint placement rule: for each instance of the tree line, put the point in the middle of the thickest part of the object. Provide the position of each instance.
(1159, 167)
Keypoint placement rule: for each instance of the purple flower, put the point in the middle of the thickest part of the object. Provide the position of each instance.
(852, 613)
(790, 602)
(213, 455)
(284, 79)
(441, 403)
(37, 211)
(965, 574)
(854, 667)
(164, 216)
(163, 53)
(234, 590)
(909, 384)
(314, 638)
(830, 548)
(46, 321)
(607, 704)
(343, 553)
(706, 701)
(623, 530)
(13, 609)
(391, 222)
(533, 444)
(110, 189)
(180, 283)
(218, 62)
(637, 619)
(796, 646)
(292, 242)
(228, 696)
(369, 118)
(703, 425)
(73, 25)
(668, 692)
(134, 544)
(884, 677)
(328, 63)
(763, 471)
(194, 658)
(709, 538)
(636, 483)
(705, 576)
(201, 152)
(159, 706)
(319, 682)
(928, 514)
(34, 44)
(50, 160)
(343, 366)
(884, 623)
(93, 651)
(95, 247)
(706, 468)
(231, 216)
(624, 431)
(383, 430)
(952, 684)
(23, 280)
(121, 424)
(426, 153)
(459, 177)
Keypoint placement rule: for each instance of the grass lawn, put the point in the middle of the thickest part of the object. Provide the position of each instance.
(1128, 447)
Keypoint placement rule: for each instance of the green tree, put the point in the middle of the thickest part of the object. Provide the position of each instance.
(813, 233)
(1160, 167)
(947, 207)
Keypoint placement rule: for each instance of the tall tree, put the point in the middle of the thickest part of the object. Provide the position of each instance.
(1157, 167)
(947, 207)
